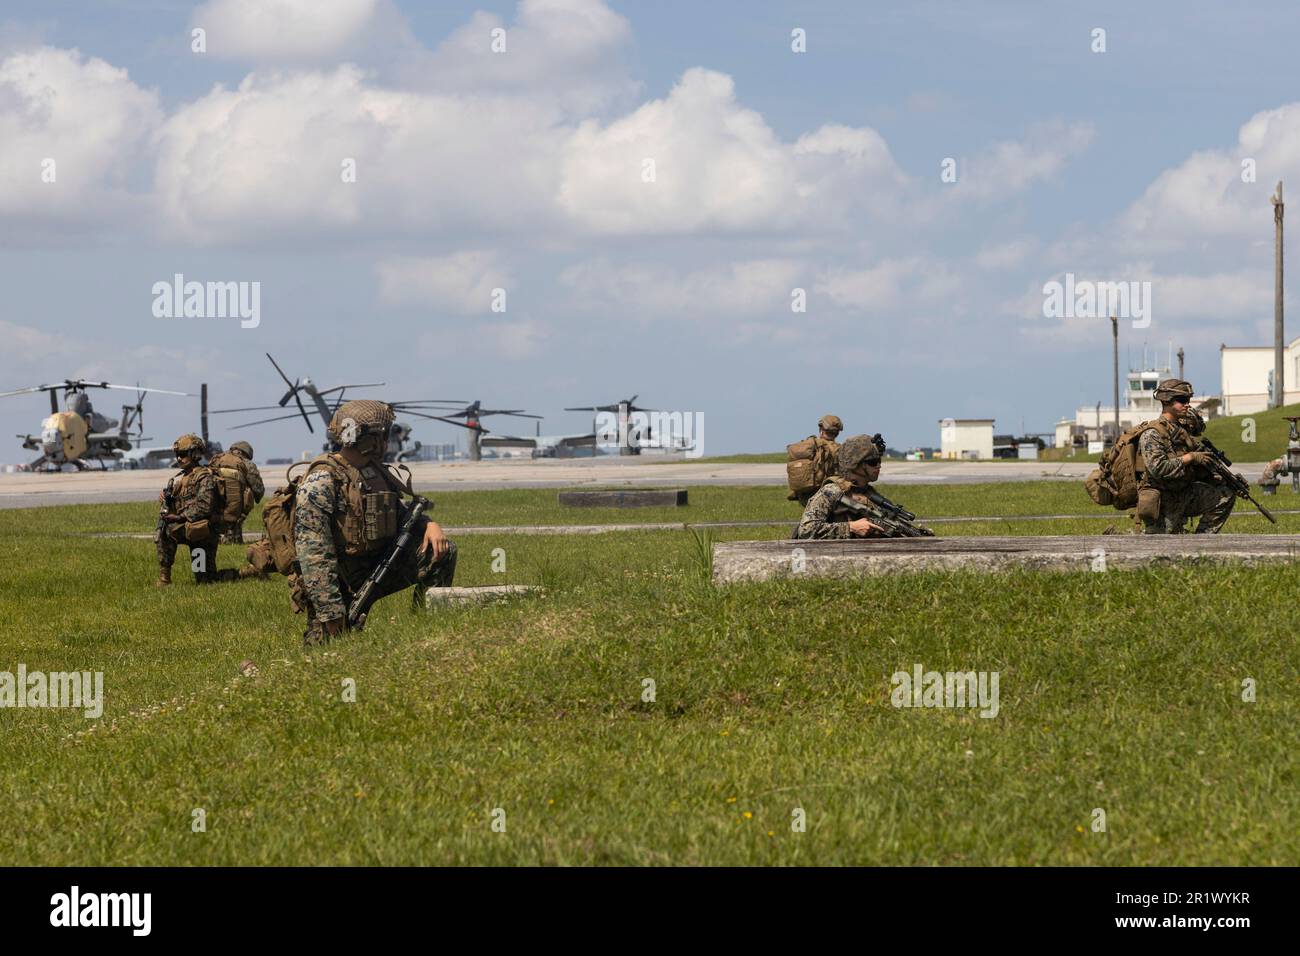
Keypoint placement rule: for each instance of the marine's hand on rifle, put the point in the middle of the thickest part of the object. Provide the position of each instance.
(435, 539)
(1202, 458)
(862, 527)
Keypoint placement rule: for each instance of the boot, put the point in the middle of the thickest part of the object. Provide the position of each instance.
(164, 578)
(248, 571)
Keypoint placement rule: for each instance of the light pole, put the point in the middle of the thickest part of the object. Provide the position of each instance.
(1279, 383)
(1114, 338)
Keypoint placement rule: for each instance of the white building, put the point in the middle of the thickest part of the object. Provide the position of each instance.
(966, 438)
(1245, 373)
(1097, 422)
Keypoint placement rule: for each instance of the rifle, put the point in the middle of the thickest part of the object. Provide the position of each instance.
(884, 504)
(1222, 466)
(368, 592)
(897, 522)
(166, 513)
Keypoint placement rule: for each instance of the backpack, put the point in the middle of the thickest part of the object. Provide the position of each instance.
(234, 496)
(808, 464)
(277, 519)
(1118, 473)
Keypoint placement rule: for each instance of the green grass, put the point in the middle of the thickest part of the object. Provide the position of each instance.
(535, 506)
(1118, 690)
(1270, 435)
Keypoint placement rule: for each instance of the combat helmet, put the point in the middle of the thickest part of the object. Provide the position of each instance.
(244, 448)
(189, 446)
(1172, 388)
(830, 423)
(856, 450)
(362, 424)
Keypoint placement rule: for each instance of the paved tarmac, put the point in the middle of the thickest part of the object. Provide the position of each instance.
(24, 490)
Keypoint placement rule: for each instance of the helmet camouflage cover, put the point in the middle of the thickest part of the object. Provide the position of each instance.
(1172, 388)
(358, 418)
(188, 445)
(856, 450)
(244, 448)
(830, 423)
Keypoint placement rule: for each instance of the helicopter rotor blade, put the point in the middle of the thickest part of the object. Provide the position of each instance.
(263, 421)
(339, 388)
(449, 421)
(251, 408)
(303, 412)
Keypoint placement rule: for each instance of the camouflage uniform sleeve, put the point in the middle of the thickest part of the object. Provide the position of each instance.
(816, 522)
(1158, 453)
(313, 539)
(205, 492)
(254, 480)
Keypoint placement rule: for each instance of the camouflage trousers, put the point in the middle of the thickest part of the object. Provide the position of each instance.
(234, 534)
(1212, 502)
(416, 571)
(208, 573)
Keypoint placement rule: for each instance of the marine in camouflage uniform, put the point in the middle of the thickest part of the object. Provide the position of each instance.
(828, 429)
(346, 515)
(859, 466)
(1176, 468)
(189, 516)
(240, 456)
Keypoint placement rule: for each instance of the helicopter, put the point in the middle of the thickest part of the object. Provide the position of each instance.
(79, 435)
(398, 438)
(631, 436)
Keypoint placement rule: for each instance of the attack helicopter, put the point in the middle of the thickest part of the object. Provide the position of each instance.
(78, 435)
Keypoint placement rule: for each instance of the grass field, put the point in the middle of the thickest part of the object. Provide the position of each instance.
(1119, 691)
(1260, 436)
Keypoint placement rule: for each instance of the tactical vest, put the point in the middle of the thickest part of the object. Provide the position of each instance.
(847, 490)
(368, 504)
(185, 488)
(1182, 443)
(237, 496)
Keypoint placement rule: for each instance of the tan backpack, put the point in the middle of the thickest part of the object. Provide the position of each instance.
(808, 464)
(277, 519)
(235, 495)
(1118, 474)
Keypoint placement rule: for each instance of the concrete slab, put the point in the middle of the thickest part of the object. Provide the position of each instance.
(493, 592)
(763, 560)
(629, 498)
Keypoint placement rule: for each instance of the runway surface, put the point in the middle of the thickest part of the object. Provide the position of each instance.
(19, 490)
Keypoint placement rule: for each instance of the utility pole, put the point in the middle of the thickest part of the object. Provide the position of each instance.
(1180, 363)
(1114, 336)
(1279, 382)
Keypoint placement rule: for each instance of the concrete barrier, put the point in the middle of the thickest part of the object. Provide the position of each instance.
(631, 498)
(862, 557)
(493, 592)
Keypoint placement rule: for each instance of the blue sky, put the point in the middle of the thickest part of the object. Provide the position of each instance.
(522, 171)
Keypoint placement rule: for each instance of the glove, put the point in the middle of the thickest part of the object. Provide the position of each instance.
(1202, 458)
